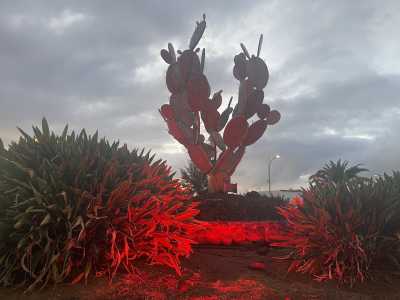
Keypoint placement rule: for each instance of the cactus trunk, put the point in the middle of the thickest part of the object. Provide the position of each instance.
(220, 182)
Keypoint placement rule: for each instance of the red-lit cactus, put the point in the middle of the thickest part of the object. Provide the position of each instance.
(190, 104)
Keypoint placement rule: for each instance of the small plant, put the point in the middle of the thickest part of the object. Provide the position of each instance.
(344, 234)
(194, 179)
(75, 205)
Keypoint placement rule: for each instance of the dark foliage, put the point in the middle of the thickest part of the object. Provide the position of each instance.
(194, 179)
(344, 229)
(73, 205)
(338, 173)
(231, 207)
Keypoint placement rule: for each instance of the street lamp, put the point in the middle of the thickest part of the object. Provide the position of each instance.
(269, 170)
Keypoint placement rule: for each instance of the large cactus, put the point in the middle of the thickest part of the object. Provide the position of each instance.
(190, 103)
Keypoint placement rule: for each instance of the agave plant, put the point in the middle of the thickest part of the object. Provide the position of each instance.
(344, 234)
(73, 205)
(379, 201)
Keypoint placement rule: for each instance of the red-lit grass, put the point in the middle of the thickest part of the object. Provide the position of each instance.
(151, 218)
(322, 248)
(346, 228)
(324, 240)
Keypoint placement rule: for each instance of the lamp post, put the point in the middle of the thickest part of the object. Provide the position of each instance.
(269, 171)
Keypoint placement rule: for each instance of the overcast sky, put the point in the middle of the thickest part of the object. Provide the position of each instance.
(334, 75)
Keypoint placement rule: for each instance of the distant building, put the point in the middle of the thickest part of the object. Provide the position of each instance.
(288, 194)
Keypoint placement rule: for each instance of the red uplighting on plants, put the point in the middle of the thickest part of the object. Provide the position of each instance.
(151, 218)
(323, 242)
(158, 230)
(297, 201)
(228, 233)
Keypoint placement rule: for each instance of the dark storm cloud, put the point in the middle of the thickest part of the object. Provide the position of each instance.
(356, 120)
(334, 67)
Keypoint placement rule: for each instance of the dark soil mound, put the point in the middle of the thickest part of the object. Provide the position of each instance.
(231, 207)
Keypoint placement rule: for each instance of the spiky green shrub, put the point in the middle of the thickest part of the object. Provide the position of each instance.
(194, 179)
(344, 230)
(72, 205)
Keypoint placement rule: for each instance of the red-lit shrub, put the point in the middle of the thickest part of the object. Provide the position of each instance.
(74, 205)
(324, 243)
(344, 230)
(150, 218)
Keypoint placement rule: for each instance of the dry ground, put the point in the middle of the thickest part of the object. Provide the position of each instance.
(213, 273)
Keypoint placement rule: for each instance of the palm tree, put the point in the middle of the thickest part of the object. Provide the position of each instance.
(194, 178)
(337, 173)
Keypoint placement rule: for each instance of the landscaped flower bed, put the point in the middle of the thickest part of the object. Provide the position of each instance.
(237, 233)
(76, 208)
(154, 216)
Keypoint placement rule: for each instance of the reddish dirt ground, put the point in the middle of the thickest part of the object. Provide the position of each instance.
(211, 273)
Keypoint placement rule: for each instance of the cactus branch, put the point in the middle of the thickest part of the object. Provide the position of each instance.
(172, 53)
(245, 50)
(259, 45)
(203, 59)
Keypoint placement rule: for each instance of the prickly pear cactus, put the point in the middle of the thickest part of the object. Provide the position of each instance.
(229, 131)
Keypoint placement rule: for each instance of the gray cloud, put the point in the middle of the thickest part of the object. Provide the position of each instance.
(335, 75)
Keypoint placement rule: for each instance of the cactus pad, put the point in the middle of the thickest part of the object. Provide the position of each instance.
(235, 132)
(189, 63)
(174, 78)
(273, 117)
(257, 72)
(166, 56)
(256, 130)
(167, 112)
(217, 100)
(210, 117)
(263, 111)
(199, 156)
(198, 91)
(254, 102)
